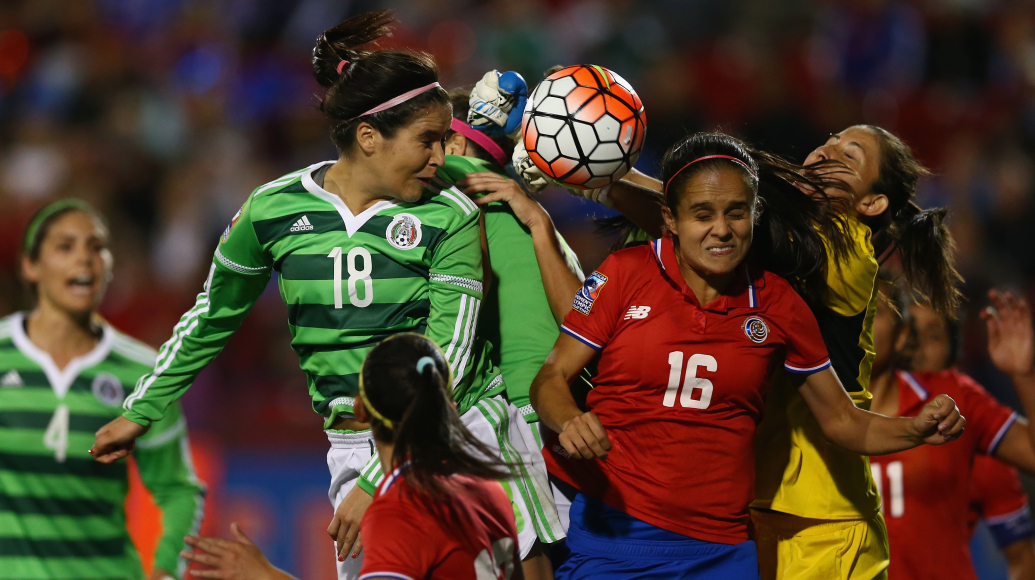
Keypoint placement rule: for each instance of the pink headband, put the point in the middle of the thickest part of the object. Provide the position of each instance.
(481, 139)
(733, 159)
(341, 65)
(393, 102)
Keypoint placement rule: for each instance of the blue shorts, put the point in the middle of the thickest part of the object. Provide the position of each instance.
(608, 543)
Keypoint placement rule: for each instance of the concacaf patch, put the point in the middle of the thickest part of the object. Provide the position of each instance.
(108, 389)
(587, 295)
(756, 329)
(226, 232)
(404, 232)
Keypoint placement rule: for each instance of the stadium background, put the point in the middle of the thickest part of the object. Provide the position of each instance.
(166, 113)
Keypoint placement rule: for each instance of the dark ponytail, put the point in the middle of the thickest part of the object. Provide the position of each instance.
(921, 238)
(368, 78)
(795, 220)
(424, 425)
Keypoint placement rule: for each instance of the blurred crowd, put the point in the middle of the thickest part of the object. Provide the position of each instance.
(167, 113)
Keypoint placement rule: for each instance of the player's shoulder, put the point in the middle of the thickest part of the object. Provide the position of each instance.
(456, 167)
(7, 329)
(772, 291)
(634, 258)
(288, 183)
(444, 203)
(132, 349)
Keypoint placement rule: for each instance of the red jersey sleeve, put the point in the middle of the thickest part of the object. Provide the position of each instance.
(806, 353)
(389, 548)
(998, 498)
(986, 417)
(597, 308)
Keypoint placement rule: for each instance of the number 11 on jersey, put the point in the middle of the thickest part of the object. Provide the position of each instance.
(356, 275)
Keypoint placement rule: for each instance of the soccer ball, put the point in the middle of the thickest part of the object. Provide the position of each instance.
(584, 126)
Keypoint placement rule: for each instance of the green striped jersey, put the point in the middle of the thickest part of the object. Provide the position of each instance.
(348, 281)
(61, 512)
(517, 319)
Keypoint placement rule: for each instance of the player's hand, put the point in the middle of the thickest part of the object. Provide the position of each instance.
(116, 439)
(237, 559)
(584, 437)
(497, 102)
(1011, 340)
(535, 180)
(501, 188)
(344, 528)
(939, 421)
(160, 574)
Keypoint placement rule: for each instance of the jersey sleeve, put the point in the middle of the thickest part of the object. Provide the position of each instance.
(996, 489)
(986, 417)
(166, 468)
(389, 546)
(850, 281)
(805, 351)
(597, 307)
(239, 273)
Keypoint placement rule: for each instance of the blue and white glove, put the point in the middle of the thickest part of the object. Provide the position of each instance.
(497, 103)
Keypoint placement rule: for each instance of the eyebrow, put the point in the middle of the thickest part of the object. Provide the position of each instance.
(429, 134)
(856, 143)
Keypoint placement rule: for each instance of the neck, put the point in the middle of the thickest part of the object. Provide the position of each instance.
(384, 453)
(355, 184)
(884, 388)
(706, 287)
(63, 335)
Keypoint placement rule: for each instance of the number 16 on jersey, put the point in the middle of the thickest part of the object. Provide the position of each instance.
(691, 383)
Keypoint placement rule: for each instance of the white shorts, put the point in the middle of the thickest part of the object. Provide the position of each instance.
(563, 492)
(348, 455)
(499, 425)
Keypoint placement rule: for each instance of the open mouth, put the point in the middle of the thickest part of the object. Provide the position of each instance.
(718, 251)
(424, 180)
(82, 284)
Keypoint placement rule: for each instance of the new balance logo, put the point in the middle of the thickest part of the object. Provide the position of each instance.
(637, 312)
(11, 379)
(302, 225)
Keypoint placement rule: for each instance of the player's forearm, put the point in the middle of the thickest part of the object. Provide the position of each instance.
(1020, 560)
(559, 281)
(550, 396)
(1024, 384)
(640, 204)
(869, 434)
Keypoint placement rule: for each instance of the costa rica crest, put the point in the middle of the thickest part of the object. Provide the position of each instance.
(756, 329)
(404, 232)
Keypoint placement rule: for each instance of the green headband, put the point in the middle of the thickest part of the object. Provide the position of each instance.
(44, 214)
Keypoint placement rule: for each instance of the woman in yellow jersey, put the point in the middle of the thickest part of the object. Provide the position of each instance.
(817, 512)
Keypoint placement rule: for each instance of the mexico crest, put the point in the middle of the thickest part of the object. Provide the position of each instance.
(404, 231)
(108, 389)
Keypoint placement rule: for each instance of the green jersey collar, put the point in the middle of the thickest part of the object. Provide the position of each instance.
(60, 379)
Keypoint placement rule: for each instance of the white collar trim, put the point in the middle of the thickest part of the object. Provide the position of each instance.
(352, 222)
(60, 379)
(915, 385)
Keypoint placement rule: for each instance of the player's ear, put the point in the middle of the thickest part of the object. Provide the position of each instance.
(30, 270)
(669, 217)
(872, 204)
(456, 144)
(359, 410)
(367, 138)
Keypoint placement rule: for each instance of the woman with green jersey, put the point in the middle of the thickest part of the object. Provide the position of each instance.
(64, 373)
(366, 246)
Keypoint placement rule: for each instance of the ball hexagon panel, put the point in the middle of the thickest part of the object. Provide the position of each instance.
(552, 106)
(579, 178)
(586, 77)
(562, 167)
(547, 148)
(605, 152)
(597, 182)
(578, 97)
(562, 86)
(541, 92)
(593, 110)
(605, 169)
(548, 125)
(529, 131)
(586, 135)
(566, 143)
(607, 128)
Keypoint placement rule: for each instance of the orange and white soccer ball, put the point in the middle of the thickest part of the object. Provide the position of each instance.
(584, 126)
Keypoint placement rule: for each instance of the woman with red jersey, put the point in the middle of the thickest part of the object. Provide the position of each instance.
(688, 330)
(438, 515)
(996, 494)
(926, 492)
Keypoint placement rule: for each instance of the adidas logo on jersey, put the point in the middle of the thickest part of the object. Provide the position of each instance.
(637, 312)
(11, 379)
(302, 225)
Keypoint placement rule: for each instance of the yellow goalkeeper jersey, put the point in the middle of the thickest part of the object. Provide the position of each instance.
(797, 470)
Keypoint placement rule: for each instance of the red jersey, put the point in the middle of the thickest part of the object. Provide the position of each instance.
(997, 497)
(469, 536)
(680, 388)
(926, 490)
